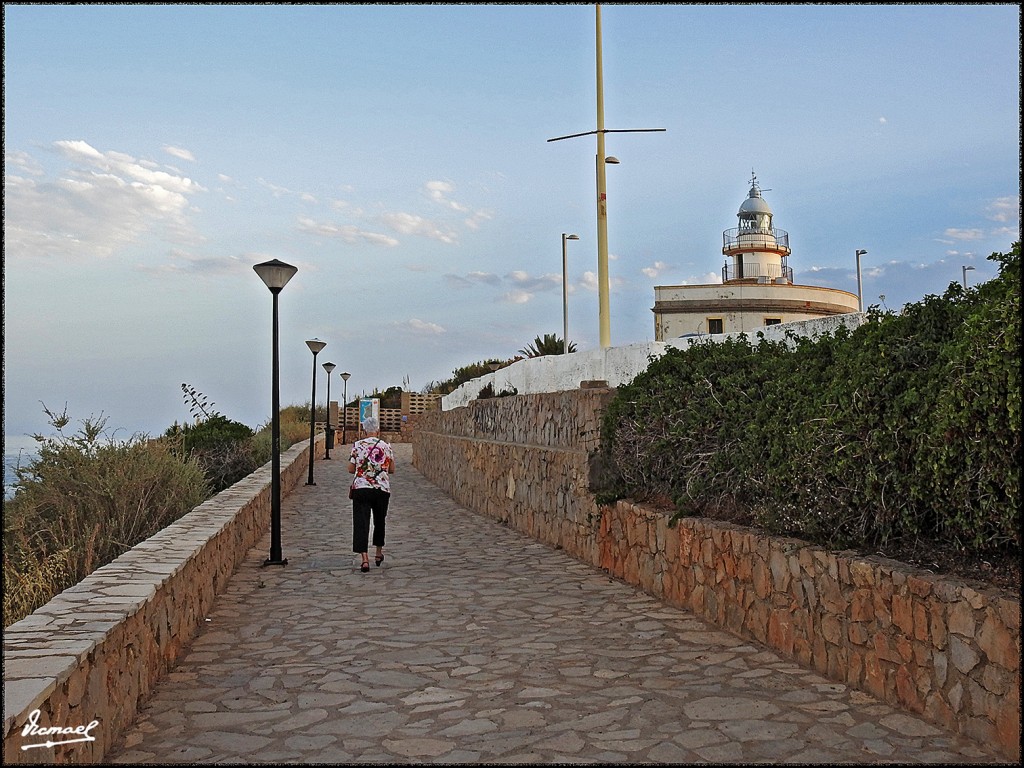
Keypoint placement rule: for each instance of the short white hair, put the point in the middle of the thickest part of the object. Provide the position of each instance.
(371, 425)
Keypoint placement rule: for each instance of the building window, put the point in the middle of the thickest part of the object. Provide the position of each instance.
(715, 325)
(772, 320)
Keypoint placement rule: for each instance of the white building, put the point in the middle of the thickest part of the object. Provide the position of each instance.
(757, 286)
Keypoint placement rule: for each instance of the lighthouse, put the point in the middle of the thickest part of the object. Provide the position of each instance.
(757, 287)
(755, 250)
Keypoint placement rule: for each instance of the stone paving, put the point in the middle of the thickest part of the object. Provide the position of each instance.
(475, 644)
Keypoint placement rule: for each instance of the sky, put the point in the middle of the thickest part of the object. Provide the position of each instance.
(399, 157)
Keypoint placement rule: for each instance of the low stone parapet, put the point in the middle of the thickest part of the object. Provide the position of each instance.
(77, 669)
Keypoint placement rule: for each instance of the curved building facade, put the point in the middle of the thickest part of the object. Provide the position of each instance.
(757, 287)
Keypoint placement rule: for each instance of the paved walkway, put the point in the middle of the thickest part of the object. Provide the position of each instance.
(474, 644)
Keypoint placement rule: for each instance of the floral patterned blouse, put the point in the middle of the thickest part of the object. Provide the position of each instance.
(370, 456)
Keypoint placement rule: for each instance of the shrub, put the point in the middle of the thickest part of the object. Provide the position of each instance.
(84, 500)
(907, 428)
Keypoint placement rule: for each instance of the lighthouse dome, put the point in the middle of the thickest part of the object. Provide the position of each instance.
(754, 204)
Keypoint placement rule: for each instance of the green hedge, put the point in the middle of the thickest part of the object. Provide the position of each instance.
(905, 429)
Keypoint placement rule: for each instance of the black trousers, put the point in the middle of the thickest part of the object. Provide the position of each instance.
(367, 501)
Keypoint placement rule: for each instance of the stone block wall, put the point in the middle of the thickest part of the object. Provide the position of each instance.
(96, 650)
(935, 646)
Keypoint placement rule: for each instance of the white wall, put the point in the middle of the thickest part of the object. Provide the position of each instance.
(618, 365)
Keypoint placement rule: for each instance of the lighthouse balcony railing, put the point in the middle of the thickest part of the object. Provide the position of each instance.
(755, 237)
(754, 271)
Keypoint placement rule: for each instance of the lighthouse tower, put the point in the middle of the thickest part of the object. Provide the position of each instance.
(757, 288)
(757, 251)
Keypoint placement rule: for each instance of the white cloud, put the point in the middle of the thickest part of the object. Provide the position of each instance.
(101, 203)
(473, 278)
(882, 120)
(180, 153)
(423, 327)
(346, 233)
(411, 224)
(589, 281)
(517, 297)
(1005, 209)
(438, 192)
(655, 269)
(964, 234)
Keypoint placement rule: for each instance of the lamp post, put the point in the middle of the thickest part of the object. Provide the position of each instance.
(275, 275)
(315, 345)
(344, 408)
(860, 293)
(965, 269)
(329, 367)
(565, 296)
(602, 207)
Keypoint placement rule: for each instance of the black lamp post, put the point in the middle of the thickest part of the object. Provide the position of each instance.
(275, 274)
(315, 345)
(329, 367)
(344, 408)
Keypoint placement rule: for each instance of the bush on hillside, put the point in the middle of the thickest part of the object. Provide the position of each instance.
(84, 500)
(223, 448)
(906, 429)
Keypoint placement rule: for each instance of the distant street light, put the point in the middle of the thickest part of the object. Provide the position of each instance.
(315, 345)
(329, 367)
(860, 292)
(275, 275)
(565, 297)
(965, 274)
(344, 409)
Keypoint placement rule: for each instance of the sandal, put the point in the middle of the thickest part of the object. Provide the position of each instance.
(379, 559)
(365, 567)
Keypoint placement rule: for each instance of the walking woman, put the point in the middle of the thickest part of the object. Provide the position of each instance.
(371, 462)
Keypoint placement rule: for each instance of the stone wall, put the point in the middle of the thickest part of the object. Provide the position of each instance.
(95, 651)
(941, 648)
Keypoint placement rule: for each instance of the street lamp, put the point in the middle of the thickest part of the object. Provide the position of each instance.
(330, 432)
(275, 275)
(602, 206)
(344, 408)
(965, 275)
(860, 293)
(315, 345)
(565, 297)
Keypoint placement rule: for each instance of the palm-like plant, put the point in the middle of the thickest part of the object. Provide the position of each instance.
(550, 344)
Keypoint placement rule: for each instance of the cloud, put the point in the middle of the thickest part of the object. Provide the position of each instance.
(422, 327)
(411, 224)
(347, 233)
(516, 297)
(882, 120)
(180, 153)
(589, 281)
(1004, 210)
(655, 269)
(102, 203)
(471, 279)
(964, 234)
(201, 266)
(24, 162)
(438, 192)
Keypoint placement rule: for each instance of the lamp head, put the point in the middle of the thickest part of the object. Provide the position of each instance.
(275, 274)
(315, 345)
(346, 375)
(572, 237)
(612, 160)
(968, 268)
(329, 367)
(861, 253)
